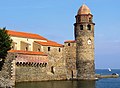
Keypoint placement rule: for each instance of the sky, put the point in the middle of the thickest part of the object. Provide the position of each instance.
(54, 20)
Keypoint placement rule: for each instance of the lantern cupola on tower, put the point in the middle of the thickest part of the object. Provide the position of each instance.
(84, 14)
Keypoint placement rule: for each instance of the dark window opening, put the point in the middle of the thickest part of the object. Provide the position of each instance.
(52, 69)
(38, 49)
(68, 44)
(72, 74)
(48, 48)
(81, 27)
(59, 49)
(90, 19)
(26, 48)
(89, 27)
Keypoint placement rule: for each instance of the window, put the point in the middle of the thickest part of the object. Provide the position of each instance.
(89, 27)
(90, 19)
(59, 49)
(38, 49)
(68, 44)
(52, 70)
(48, 48)
(81, 27)
(26, 48)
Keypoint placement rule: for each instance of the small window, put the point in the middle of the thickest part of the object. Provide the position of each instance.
(59, 49)
(89, 27)
(68, 44)
(38, 49)
(81, 27)
(48, 48)
(90, 19)
(52, 70)
(26, 48)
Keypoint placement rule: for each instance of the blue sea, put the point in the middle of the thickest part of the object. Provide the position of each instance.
(101, 83)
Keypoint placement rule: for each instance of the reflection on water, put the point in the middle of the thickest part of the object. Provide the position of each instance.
(57, 84)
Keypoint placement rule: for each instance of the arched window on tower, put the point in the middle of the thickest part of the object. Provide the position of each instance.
(90, 19)
(81, 27)
(89, 27)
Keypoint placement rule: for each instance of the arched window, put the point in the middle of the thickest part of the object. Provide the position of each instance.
(81, 27)
(38, 49)
(26, 48)
(59, 49)
(89, 27)
(68, 44)
(90, 19)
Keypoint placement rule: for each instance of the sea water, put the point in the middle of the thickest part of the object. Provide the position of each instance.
(101, 83)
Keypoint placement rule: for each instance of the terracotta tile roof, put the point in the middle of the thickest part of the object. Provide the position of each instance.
(84, 10)
(70, 41)
(27, 52)
(49, 43)
(25, 35)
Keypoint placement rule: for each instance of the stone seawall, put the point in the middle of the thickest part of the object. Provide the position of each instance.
(25, 73)
(6, 74)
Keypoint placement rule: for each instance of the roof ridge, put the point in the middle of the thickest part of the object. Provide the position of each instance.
(49, 43)
(25, 34)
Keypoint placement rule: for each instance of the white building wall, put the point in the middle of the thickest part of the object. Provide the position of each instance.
(30, 41)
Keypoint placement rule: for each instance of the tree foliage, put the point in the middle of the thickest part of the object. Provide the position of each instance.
(5, 45)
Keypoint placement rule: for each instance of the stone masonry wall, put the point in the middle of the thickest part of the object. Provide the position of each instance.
(84, 36)
(31, 68)
(70, 57)
(7, 77)
(56, 62)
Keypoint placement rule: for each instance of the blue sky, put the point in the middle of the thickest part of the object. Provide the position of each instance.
(54, 20)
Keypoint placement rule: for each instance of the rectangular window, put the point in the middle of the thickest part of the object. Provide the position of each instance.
(26, 48)
(81, 27)
(48, 48)
(59, 49)
(38, 49)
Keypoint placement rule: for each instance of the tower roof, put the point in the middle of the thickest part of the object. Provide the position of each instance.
(84, 10)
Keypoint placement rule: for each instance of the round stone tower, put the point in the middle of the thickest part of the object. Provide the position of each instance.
(84, 36)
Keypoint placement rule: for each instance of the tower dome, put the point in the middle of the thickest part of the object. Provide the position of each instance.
(84, 10)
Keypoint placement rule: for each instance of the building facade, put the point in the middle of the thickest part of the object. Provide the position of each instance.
(35, 58)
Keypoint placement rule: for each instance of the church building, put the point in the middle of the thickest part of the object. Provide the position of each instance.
(35, 58)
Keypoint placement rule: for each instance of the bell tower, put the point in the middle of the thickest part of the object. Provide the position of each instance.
(84, 36)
